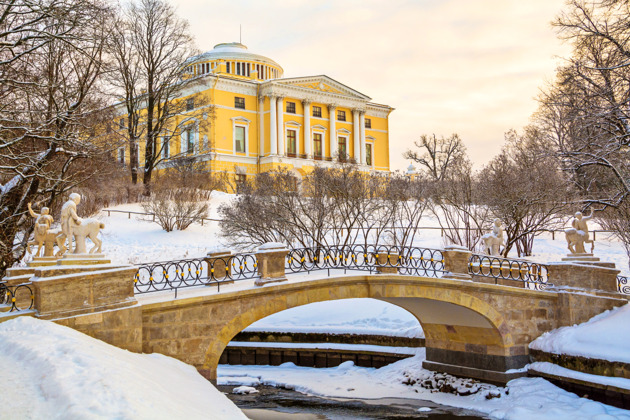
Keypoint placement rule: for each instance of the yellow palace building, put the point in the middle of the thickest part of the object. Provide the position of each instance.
(246, 118)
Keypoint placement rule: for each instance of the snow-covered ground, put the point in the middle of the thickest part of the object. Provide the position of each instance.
(605, 336)
(522, 399)
(48, 371)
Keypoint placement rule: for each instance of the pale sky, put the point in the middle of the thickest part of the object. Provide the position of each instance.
(447, 66)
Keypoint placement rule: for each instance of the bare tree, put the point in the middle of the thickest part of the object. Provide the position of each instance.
(452, 188)
(150, 47)
(51, 58)
(181, 196)
(337, 206)
(524, 187)
(437, 156)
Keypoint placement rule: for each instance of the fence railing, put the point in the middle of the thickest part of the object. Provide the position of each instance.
(215, 271)
(622, 285)
(17, 298)
(152, 215)
(532, 275)
(441, 229)
(407, 260)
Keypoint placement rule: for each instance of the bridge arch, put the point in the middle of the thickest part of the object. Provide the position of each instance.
(460, 328)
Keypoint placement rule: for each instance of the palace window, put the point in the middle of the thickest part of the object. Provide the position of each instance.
(190, 104)
(368, 154)
(317, 146)
(239, 139)
(121, 123)
(227, 67)
(121, 154)
(341, 115)
(240, 180)
(343, 151)
(239, 102)
(165, 147)
(368, 123)
(291, 143)
(189, 138)
(317, 111)
(291, 107)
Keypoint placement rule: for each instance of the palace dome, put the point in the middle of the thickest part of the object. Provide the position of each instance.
(238, 62)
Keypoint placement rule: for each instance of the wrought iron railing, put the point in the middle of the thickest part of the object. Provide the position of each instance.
(408, 260)
(169, 275)
(173, 275)
(622, 285)
(16, 298)
(532, 275)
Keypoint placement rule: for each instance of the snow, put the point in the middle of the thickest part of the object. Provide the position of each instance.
(605, 336)
(329, 346)
(525, 399)
(546, 367)
(48, 371)
(359, 316)
(244, 389)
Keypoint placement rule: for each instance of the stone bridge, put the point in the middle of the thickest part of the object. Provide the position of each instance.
(472, 328)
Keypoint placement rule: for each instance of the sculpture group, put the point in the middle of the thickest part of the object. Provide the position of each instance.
(577, 235)
(72, 228)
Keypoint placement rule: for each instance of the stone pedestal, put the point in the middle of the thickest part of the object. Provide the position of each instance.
(83, 259)
(590, 275)
(96, 299)
(219, 266)
(584, 257)
(387, 263)
(271, 260)
(456, 261)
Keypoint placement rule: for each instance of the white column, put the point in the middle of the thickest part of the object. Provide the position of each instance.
(261, 126)
(273, 132)
(332, 110)
(362, 125)
(307, 128)
(356, 131)
(280, 112)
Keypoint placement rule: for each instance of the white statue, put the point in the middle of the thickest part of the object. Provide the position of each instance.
(494, 240)
(42, 225)
(72, 226)
(577, 235)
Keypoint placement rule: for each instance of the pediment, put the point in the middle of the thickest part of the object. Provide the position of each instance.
(323, 84)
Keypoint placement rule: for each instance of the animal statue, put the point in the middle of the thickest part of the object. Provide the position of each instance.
(576, 240)
(88, 228)
(577, 235)
(493, 241)
(492, 244)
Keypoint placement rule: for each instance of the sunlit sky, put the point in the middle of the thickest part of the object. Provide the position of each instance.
(446, 66)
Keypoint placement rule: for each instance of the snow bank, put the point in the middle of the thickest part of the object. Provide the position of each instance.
(48, 371)
(550, 368)
(355, 316)
(605, 336)
(523, 399)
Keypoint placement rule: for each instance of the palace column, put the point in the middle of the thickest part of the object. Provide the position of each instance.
(356, 131)
(307, 128)
(332, 113)
(273, 132)
(280, 112)
(362, 126)
(261, 126)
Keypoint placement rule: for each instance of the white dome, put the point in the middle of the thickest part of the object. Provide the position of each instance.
(233, 51)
